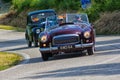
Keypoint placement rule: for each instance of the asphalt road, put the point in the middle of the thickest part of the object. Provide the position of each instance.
(103, 65)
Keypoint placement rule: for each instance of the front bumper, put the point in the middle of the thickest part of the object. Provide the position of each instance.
(56, 49)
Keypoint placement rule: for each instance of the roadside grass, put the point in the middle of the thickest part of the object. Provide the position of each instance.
(8, 60)
(5, 27)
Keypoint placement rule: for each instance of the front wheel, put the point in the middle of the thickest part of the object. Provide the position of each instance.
(90, 51)
(45, 56)
(35, 42)
(29, 43)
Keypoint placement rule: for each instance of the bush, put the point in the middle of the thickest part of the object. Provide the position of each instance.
(6, 0)
(61, 5)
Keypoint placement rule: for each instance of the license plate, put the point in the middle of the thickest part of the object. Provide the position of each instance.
(66, 47)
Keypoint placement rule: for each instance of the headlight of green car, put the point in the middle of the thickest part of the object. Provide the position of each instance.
(37, 31)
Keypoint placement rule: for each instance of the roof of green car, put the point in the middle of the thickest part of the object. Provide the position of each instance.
(39, 11)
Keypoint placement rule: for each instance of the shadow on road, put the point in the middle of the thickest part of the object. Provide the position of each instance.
(57, 57)
(68, 55)
(15, 49)
(101, 69)
(12, 43)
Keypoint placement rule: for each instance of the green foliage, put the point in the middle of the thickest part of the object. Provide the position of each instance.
(108, 5)
(61, 5)
(6, 0)
(21, 4)
(98, 6)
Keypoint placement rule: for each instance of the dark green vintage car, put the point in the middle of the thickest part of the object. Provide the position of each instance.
(36, 24)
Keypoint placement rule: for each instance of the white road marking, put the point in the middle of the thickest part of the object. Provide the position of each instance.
(105, 51)
(107, 44)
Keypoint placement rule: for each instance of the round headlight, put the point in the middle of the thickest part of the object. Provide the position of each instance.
(37, 31)
(44, 38)
(87, 34)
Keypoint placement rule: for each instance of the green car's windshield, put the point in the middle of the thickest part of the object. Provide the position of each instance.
(51, 23)
(41, 17)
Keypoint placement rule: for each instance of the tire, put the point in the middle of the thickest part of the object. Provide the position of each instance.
(90, 51)
(45, 56)
(35, 43)
(29, 43)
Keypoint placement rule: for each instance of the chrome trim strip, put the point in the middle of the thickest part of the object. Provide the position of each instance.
(54, 48)
(76, 46)
(83, 45)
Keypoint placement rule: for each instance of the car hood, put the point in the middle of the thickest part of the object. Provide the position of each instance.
(68, 29)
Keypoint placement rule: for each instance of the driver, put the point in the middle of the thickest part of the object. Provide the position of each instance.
(77, 19)
(35, 18)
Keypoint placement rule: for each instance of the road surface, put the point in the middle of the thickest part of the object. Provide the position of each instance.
(103, 65)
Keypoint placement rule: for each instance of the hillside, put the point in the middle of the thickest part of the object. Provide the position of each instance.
(4, 7)
(109, 23)
(104, 14)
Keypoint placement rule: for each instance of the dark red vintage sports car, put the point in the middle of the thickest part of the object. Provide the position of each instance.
(76, 34)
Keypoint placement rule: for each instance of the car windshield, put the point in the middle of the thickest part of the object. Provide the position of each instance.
(51, 23)
(41, 17)
(79, 18)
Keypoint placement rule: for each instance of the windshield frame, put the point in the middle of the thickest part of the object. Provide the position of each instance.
(81, 15)
(51, 23)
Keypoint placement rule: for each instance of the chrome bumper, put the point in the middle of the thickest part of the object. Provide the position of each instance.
(77, 46)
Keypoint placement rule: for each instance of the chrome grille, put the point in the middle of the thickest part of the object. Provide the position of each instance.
(66, 39)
